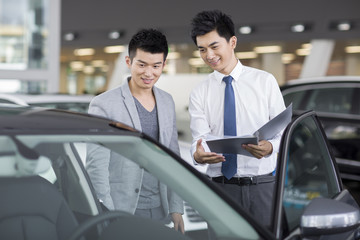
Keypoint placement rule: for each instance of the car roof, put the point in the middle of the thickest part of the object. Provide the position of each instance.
(325, 79)
(26, 99)
(15, 118)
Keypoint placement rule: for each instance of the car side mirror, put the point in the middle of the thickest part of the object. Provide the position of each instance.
(327, 216)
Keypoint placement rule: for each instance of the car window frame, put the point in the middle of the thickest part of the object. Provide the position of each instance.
(278, 210)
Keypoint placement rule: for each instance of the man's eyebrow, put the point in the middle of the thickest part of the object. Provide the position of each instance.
(141, 61)
(210, 45)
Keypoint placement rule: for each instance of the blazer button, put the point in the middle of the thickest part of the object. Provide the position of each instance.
(136, 190)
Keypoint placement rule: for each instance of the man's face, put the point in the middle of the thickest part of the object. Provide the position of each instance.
(217, 52)
(145, 68)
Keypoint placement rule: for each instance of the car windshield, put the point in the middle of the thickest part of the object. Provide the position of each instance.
(61, 159)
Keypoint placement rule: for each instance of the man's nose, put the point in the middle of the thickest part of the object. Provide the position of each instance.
(210, 55)
(148, 71)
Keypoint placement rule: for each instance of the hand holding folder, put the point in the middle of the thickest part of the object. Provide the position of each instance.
(269, 130)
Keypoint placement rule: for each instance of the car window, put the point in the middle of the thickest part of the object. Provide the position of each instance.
(333, 100)
(295, 98)
(67, 154)
(309, 170)
(330, 100)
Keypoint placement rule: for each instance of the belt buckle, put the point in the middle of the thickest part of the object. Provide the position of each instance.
(245, 181)
(251, 180)
(254, 180)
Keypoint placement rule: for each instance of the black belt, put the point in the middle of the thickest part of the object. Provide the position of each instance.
(245, 180)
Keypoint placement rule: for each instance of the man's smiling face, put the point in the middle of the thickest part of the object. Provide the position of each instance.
(145, 68)
(217, 52)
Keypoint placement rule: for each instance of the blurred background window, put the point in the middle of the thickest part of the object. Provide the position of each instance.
(23, 34)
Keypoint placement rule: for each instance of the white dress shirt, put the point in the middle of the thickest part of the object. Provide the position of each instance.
(257, 98)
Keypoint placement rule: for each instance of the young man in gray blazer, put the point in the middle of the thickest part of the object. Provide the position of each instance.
(120, 183)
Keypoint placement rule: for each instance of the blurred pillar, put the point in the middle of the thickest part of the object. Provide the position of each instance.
(272, 63)
(317, 62)
(54, 47)
(120, 71)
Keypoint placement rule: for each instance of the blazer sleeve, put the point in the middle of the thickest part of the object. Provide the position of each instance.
(176, 204)
(97, 162)
(97, 166)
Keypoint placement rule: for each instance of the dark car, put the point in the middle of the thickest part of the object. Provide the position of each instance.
(46, 192)
(336, 100)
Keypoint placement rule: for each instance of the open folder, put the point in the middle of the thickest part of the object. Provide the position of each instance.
(232, 144)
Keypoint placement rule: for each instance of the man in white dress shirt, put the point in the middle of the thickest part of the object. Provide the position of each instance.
(257, 100)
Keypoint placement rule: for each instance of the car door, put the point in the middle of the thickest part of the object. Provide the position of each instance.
(306, 171)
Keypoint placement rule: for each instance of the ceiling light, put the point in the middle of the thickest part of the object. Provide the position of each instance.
(306, 46)
(77, 65)
(246, 55)
(115, 34)
(114, 49)
(352, 49)
(89, 70)
(245, 30)
(268, 49)
(98, 63)
(298, 28)
(303, 51)
(70, 36)
(84, 51)
(343, 26)
(286, 58)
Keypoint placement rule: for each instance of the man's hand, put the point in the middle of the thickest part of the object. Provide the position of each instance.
(178, 222)
(201, 156)
(261, 150)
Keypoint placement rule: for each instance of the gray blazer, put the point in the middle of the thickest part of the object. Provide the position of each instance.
(117, 181)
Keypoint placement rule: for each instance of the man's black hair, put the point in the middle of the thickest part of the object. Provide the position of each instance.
(207, 21)
(148, 40)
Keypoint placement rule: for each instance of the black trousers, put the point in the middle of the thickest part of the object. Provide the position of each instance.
(257, 199)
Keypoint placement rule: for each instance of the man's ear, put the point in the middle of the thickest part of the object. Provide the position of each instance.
(128, 61)
(233, 42)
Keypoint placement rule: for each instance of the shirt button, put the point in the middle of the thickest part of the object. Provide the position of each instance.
(136, 190)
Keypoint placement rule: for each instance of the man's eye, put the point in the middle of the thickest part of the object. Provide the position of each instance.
(202, 50)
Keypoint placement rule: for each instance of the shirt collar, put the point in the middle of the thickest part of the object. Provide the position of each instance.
(235, 73)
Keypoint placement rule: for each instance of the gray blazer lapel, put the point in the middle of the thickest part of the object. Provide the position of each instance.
(130, 105)
(163, 115)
